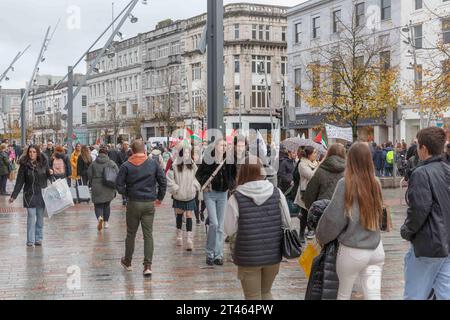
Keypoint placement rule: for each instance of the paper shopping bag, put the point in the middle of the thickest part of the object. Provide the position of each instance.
(306, 259)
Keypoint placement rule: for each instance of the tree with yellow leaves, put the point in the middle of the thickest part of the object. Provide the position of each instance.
(429, 92)
(352, 79)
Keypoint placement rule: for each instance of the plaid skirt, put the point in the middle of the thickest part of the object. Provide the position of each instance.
(184, 205)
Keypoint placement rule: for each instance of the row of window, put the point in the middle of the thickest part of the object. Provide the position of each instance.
(100, 113)
(360, 20)
(164, 77)
(126, 84)
(44, 104)
(123, 60)
(164, 51)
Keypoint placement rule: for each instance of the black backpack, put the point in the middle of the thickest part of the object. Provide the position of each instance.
(109, 177)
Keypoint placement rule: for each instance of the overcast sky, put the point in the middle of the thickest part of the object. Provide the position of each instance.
(25, 22)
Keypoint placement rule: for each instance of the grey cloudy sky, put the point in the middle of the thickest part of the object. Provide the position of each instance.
(25, 22)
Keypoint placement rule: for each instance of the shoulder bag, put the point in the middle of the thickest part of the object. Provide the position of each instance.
(291, 247)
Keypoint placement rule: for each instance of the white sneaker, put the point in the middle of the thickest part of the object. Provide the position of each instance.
(189, 242)
(179, 237)
(106, 225)
(100, 224)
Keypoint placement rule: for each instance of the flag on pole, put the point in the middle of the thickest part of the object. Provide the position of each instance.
(190, 132)
(321, 140)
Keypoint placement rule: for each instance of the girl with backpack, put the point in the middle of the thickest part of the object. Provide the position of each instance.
(102, 195)
(184, 187)
(83, 163)
(60, 165)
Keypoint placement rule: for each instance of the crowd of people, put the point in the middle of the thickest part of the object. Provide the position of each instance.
(250, 212)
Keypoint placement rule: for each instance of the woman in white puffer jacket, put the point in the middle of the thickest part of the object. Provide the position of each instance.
(183, 186)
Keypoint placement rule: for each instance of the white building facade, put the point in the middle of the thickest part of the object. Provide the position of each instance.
(115, 92)
(315, 23)
(162, 76)
(49, 120)
(10, 102)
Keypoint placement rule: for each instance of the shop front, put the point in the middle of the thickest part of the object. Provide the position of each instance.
(310, 125)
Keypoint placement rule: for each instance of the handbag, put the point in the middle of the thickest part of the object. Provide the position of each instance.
(291, 247)
(110, 177)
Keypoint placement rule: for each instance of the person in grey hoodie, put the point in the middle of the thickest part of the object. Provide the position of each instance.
(102, 195)
(253, 221)
(353, 217)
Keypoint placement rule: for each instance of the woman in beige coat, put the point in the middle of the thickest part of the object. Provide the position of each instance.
(307, 168)
(183, 186)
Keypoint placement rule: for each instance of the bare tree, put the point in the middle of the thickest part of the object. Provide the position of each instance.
(165, 108)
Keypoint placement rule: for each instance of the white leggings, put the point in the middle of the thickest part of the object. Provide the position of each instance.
(352, 263)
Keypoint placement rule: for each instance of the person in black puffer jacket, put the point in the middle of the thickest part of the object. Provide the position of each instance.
(315, 213)
(323, 283)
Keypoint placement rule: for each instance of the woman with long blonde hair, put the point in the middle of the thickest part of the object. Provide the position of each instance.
(353, 218)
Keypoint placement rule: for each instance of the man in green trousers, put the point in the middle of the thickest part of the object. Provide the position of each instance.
(142, 181)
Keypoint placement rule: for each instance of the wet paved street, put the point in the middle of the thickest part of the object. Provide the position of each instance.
(72, 243)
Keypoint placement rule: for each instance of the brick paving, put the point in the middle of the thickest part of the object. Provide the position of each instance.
(71, 239)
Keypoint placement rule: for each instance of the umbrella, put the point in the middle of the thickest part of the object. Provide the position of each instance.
(293, 144)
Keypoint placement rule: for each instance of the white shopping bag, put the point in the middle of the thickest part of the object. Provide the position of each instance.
(57, 197)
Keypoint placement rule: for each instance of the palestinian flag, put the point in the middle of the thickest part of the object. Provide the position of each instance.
(192, 135)
(321, 140)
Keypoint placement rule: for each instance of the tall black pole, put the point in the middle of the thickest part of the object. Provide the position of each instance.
(23, 131)
(215, 65)
(69, 110)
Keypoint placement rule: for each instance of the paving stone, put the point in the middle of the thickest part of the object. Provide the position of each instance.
(71, 239)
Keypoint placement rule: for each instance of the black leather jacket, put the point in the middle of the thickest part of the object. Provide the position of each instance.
(427, 225)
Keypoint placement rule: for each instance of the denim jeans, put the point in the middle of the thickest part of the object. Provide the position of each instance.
(103, 210)
(424, 274)
(35, 225)
(3, 182)
(215, 204)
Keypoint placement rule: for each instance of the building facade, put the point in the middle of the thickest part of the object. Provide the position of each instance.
(10, 101)
(162, 75)
(115, 92)
(49, 120)
(168, 87)
(255, 66)
(315, 23)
